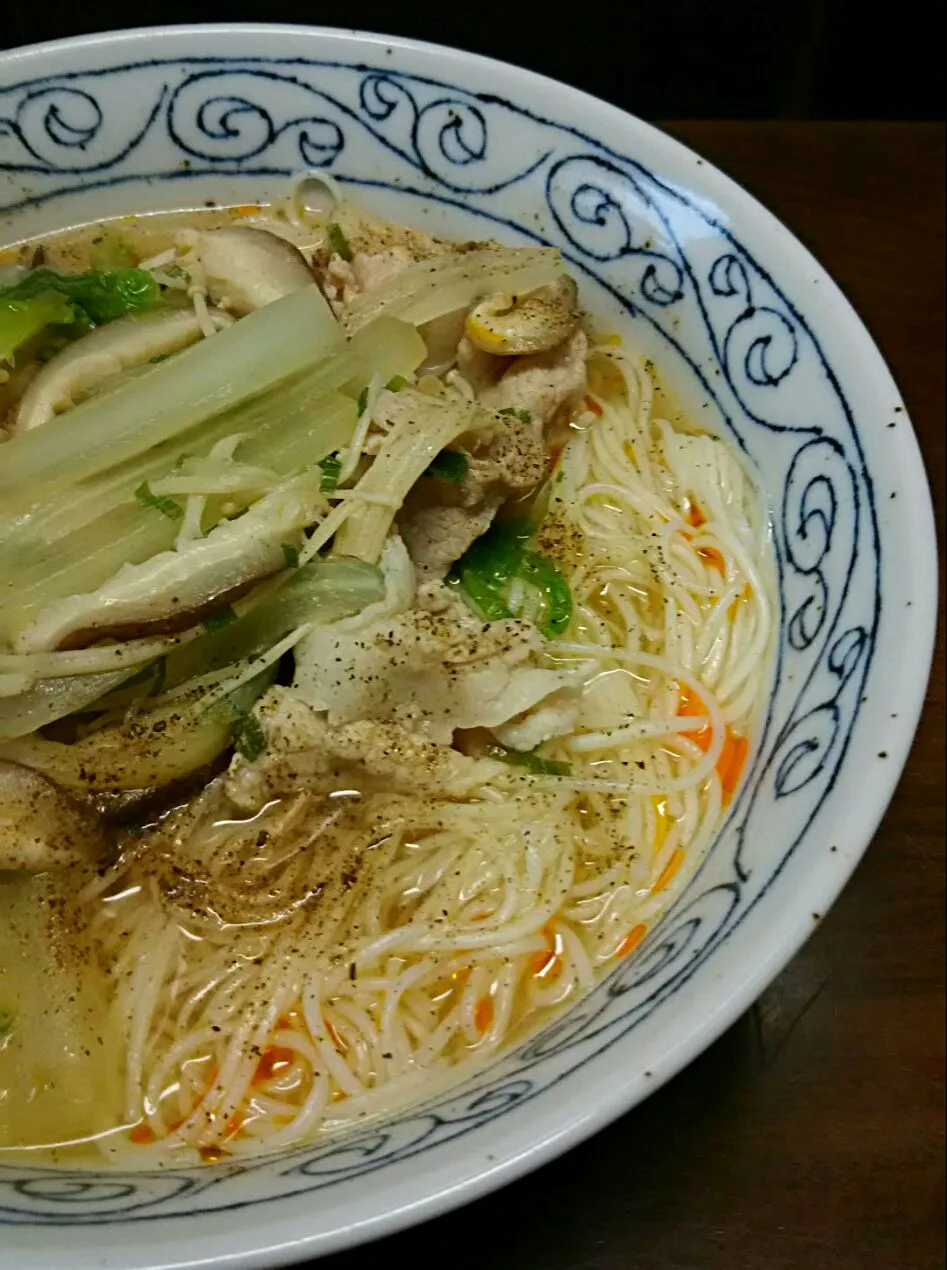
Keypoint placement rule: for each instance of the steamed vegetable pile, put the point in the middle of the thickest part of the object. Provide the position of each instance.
(185, 494)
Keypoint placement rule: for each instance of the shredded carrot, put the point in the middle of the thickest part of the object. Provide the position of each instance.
(272, 1061)
(631, 940)
(689, 704)
(547, 964)
(143, 1134)
(731, 763)
(233, 1125)
(333, 1034)
(483, 1014)
(714, 559)
(247, 209)
(592, 406)
(211, 1155)
(669, 870)
(691, 707)
(695, 516)
(735, 748)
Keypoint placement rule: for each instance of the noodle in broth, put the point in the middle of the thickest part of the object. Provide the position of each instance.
(290, 956)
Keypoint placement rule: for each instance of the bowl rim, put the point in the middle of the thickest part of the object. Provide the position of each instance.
(744, 987)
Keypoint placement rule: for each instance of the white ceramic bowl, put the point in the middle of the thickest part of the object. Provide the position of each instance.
(746, 325)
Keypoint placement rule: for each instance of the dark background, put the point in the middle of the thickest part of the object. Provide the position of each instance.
(677, 59)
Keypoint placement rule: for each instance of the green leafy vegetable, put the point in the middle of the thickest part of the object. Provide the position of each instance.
(450, 465)
(290, 556)
(22, 320)
(167, 506)
(102, 296)
(339, 243)
(6, 1023)
(251, 739)
(331, 467)
(362, 402)
(44, 298)
(396, 383)
(487, 569)
(216, 621)
(530, 761)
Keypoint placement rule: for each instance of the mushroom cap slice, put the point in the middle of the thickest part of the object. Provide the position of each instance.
(248, 268)
(41, 826)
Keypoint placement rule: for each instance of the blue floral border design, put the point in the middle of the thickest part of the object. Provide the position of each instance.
(671, 264)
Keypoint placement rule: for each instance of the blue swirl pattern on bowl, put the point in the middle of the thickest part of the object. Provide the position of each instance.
(670, 264)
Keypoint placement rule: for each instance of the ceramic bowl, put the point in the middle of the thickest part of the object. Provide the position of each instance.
(749, 329)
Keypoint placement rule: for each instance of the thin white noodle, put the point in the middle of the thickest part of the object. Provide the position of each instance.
(412, 936)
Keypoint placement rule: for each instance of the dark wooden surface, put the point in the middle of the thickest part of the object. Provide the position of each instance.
(811, 1136)
(811, 59)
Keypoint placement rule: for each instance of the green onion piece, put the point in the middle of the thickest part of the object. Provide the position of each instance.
(482, 596)
(290, 556)
(6, 1023)
(396, 383)
(557, 597)
(331, 468)
(487, 568)
(220, 618)
(496, 555)
(530, 761)
(362, 403)
(251, 739)
(339, 243)
(167, 506)
(450, 465)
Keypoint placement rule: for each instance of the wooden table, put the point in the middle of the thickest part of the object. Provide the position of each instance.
(811, 1136)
